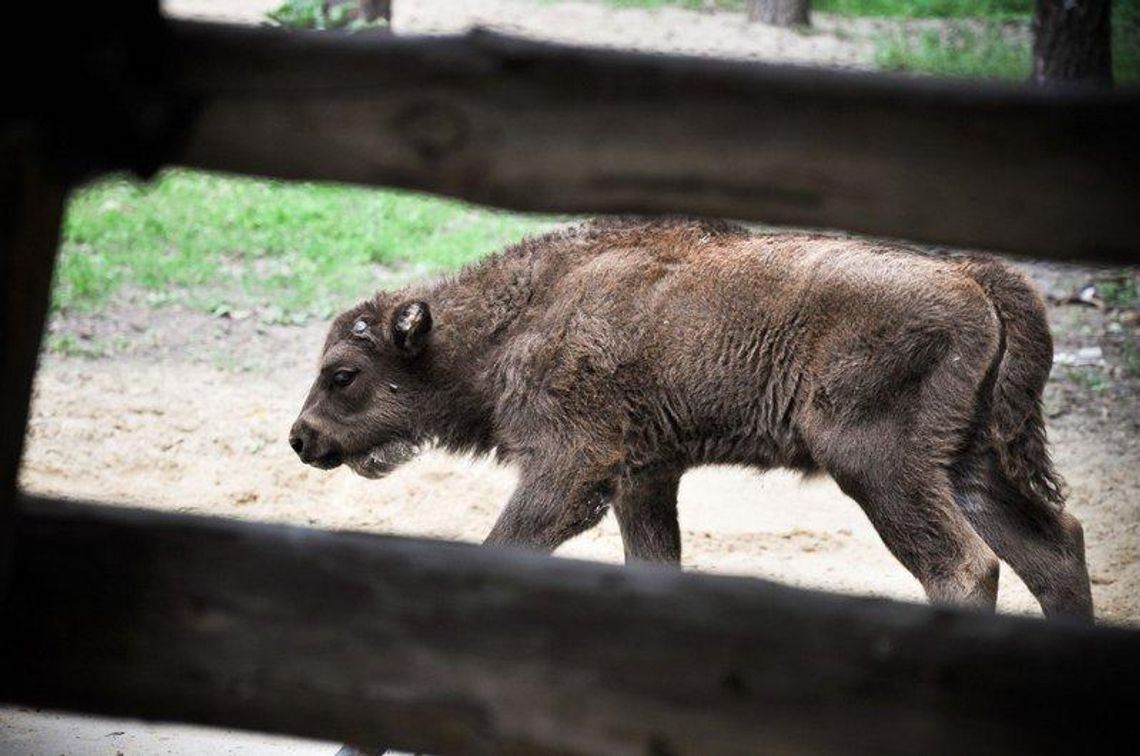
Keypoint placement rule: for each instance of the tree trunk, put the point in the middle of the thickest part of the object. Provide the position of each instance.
(376, 9)
(1072, 43)
(780, 12)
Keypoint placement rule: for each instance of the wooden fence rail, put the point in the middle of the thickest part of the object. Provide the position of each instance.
(533, 126)
(453, 648)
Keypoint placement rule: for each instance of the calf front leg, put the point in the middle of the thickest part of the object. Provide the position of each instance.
(646, 510)
(551, 506)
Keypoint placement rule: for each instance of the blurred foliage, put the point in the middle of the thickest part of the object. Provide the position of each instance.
(313, 14)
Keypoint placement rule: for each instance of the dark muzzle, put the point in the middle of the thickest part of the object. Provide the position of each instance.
(312, 448)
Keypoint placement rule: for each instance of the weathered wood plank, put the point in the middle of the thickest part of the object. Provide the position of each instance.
(542, 127)
(31, 206)
(92, 105)
(452, 648)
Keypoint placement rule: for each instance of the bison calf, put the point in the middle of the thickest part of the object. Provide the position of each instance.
(607, 359)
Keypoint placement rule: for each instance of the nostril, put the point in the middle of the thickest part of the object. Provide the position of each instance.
(297, 444)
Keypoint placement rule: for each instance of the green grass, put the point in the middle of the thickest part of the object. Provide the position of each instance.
(302, 250)
(992, 9)
(1126, 42)
(961, 52)
(971, 53)
(1130, 358)
(1090, 379)
(986, 56)
(989, 53)
(964, 52)
(1120, 293)
(312, 14)
(71, 345)
(988, 9)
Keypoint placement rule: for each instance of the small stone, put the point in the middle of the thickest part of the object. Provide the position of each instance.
(1090, 353)
(1083, 357)
(1090, 296)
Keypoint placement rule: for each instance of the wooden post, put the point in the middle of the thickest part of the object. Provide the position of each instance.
(96, 103)
(31, 207)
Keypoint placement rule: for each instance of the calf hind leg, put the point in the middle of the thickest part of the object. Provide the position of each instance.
(920, 524)
(1044, 545)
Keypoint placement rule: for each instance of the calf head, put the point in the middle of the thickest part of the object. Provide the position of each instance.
(362, 408)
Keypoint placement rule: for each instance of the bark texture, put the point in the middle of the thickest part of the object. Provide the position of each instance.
(1072, 42)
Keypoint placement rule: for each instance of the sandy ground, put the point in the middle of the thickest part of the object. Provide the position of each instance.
(832, 41)
(185, 412)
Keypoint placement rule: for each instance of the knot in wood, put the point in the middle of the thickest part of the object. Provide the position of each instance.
(434, 129)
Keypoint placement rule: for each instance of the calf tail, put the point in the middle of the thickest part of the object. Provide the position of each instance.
(1016, 424)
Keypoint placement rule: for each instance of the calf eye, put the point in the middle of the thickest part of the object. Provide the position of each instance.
(343, 377)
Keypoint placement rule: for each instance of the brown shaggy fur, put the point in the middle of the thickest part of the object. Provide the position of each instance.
(607, 359)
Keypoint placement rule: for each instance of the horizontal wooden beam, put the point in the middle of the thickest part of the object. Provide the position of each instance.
(452, 648)
(552, 128)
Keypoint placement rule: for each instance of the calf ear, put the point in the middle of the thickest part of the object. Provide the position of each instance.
(411, 324)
